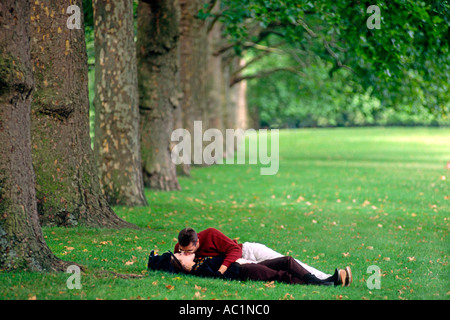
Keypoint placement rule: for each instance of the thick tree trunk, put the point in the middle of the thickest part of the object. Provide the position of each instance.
(117, 143)
(159, 89)
(67, 184)
(229, 105)
(215, 82)
(193, 62)
(22, 245)
(241, 102)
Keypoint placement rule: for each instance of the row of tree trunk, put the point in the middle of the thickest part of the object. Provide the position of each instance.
(49, 174)
(182, 79)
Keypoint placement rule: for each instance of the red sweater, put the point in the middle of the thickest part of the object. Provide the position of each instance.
(214, 243)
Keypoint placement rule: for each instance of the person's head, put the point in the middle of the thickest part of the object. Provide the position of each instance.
(185, 261)
(188, 241)
(164, 262)
(170, 262)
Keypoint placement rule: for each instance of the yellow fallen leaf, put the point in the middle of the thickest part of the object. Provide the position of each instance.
(197, 295)
(288, 296)
(133, 260)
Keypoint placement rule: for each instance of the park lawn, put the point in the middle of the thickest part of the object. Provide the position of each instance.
(357, 197)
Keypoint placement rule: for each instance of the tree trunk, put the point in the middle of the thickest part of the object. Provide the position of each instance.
(67, 185)
(193, 60)
(215, 76)
(241, 102)
(22, 245)
(229, 106)
(117, 143)
(159, 89)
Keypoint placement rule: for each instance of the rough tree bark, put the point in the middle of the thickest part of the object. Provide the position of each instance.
(193, 62)
(22, 245)
(117, 142)
(215, 76)
(239, 90)
(159, 89)
(67, 185)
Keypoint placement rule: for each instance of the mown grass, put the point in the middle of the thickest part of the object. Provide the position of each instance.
(356, 197)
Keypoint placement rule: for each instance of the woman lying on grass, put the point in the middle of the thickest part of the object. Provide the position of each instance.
(284, 269)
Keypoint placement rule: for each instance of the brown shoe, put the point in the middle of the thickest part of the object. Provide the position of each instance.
(349, 277)
(343, 277)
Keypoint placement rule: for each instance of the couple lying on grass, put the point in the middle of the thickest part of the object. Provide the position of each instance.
(210, 253)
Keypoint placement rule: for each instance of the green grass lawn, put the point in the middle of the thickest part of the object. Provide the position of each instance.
(342, 197)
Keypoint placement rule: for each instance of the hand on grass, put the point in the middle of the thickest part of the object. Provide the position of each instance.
(222, 269)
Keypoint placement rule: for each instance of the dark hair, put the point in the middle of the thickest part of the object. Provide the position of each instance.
(187, 236)
(165, 262)
(176, 265)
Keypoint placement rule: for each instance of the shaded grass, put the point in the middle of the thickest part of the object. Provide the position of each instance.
(357, 197)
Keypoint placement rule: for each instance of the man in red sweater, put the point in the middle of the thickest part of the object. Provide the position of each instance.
(212, 243)
(209, 243)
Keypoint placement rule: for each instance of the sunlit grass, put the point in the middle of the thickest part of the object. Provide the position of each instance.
(356, 197)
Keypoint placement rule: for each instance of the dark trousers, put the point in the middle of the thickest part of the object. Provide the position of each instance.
(283, 269)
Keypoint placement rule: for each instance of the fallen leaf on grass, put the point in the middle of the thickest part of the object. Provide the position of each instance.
(288, 296)
(132, 261)
(197, 295)
(199, 288)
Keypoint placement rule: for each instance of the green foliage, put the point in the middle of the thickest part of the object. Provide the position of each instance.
(314, 98)
(88, 13)
(409, 53)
